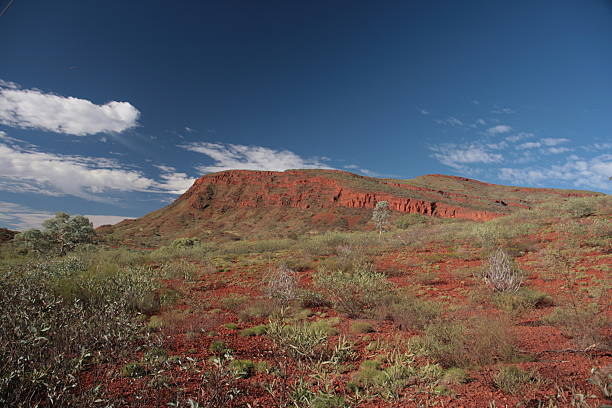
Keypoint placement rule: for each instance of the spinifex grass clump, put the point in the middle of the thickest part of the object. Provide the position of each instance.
(502, 273)
(354, 292)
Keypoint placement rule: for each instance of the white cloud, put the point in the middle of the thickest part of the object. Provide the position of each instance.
(529, 145)
(591, 173)
(423, 112)
(25, 169)
(499, 129)
(241, 157)
(450, 121)
(545, 142)
(498, 110)
(31, 108)
(557, 150)
(20, 217)
(458, 156)
(551, 141)
(174, 182)
(519, 136)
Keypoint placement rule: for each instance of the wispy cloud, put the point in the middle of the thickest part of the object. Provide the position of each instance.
(546, 142)
(450, 121)
(174, 182)
(233, 156)
(457, 156)
(26, 169)
(21, 217)
(499, 129)
(499, 110)
(580, 172)
(31, 108)
(519, 136)
(424, 112)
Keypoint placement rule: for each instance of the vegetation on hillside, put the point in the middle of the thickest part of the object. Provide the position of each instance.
(428, 312)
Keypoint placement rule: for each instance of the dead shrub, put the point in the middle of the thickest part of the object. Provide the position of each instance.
(502, 273)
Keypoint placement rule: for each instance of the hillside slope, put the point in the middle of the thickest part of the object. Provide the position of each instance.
(241, 203)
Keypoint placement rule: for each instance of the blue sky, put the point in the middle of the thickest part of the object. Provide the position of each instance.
(111, 109)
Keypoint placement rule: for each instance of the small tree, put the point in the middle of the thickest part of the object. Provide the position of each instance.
(67, 232)
(61, 232)
(380, 215)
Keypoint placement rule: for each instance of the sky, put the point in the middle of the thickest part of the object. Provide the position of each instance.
(112, 109)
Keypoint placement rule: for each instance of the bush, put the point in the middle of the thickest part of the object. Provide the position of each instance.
(54, 318)
(242, 368)
(408, 220)
(522, 300)
(219, 348)
(410, 312)
(389, 381)
(583, 323)
(281, 285)
(354, 292)
(254, 331)
(184, 243)
(61, 233)
(310, 298)
(502, 274)
(512, 380)
(480, 341)
(133, 370)
(302, 341)
(361, 327)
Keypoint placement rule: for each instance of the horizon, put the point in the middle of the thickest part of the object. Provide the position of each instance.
(113, 112)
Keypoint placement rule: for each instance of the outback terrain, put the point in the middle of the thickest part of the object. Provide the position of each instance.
(317, 288)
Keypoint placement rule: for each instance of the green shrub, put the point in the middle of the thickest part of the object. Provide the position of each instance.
(524, 299)
(234, 302)
(398, 372)
(311, 298)
(55, 316)
(219, 348)
(411, 312)
(583, 323)
(133, 370)
(254, 331)
(301, 340)
(184, 243)
(361, 327)
(512, 379)
(232, 326)
(326, 325)
(242, 368)
(408, 220)
(481, 341)
(258, 309)
(455, 375)
(354, 292)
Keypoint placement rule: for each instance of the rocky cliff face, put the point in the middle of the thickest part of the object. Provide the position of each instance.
(269, 204)
(251, 189)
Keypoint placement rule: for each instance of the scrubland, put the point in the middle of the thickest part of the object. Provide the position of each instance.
(432, 312)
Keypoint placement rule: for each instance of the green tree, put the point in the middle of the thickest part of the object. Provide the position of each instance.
(381, 215)
(67, 232)
(33, 240)
(62, 233)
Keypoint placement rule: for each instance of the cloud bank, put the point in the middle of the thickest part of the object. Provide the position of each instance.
(21, 217)
(31, 108)
(25, 169)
